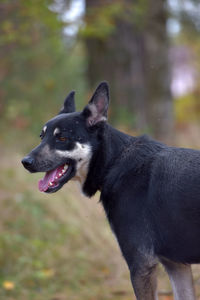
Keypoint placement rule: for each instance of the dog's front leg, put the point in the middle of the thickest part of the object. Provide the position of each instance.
(181, 279)
(144, 282)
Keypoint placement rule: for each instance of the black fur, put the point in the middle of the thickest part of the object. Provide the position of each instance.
(150, 193)
(69, 104)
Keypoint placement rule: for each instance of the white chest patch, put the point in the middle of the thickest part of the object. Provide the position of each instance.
(82, 153)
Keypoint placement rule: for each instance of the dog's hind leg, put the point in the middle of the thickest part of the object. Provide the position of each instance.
(181, 279)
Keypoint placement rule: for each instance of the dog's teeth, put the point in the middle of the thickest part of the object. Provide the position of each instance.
(63, 171)
(65, 167)
(50, 183)
(56, 177)
(60, 174)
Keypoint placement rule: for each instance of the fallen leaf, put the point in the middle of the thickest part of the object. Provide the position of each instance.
(8, 285)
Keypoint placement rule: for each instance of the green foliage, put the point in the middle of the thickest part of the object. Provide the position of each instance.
(101, 20)
(187, 109)
(39, 66)
(23, 20)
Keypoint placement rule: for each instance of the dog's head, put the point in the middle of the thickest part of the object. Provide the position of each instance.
(68, 142)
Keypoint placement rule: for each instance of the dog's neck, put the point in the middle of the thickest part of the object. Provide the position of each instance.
(112, 144)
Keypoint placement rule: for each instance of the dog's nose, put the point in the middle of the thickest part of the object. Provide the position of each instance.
(27, 162)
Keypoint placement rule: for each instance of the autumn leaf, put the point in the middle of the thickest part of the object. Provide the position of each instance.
(8, 285)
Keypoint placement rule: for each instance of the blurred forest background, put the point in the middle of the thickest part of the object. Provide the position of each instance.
(60, 247)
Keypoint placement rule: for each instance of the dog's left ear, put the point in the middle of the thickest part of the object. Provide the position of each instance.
(69, 104)
(97, 108)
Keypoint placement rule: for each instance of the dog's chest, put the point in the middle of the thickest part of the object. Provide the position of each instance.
(82, 171)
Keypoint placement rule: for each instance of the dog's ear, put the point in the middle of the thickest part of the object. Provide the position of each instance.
(69, 104)
(96, 110)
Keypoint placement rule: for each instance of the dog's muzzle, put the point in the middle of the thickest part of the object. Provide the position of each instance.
(28, 163)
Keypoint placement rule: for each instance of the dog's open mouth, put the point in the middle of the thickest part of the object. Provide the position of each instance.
(54, 179)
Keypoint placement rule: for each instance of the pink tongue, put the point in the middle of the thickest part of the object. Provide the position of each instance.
(43, 184)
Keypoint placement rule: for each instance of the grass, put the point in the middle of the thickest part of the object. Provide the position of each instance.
(59, 246)
(54, 246)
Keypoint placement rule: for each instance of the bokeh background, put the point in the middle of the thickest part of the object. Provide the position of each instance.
(60, 247)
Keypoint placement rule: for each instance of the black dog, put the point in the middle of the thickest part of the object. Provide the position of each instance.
(150, 192)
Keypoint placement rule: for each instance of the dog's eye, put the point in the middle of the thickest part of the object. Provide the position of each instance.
(41, 135)
(62, 138)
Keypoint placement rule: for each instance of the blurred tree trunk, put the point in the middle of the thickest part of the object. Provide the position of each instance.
(133, 58)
